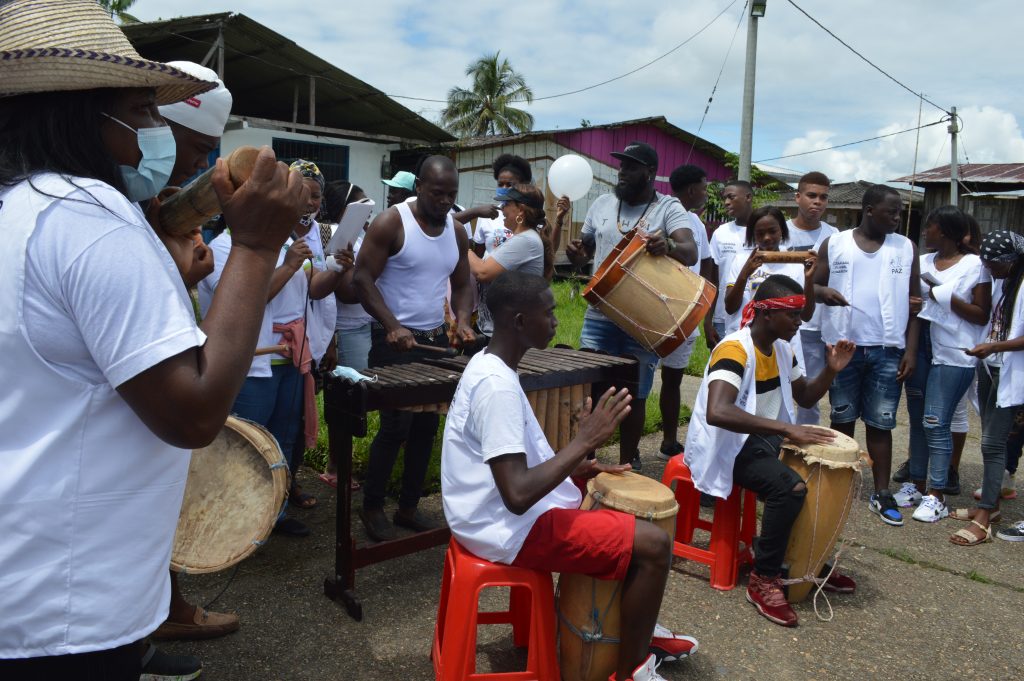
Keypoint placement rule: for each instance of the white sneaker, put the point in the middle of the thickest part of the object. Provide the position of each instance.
(648, 671)
(931, 510)
(907, 496)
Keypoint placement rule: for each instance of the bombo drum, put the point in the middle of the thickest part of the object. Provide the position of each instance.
(657, 300)
(235, 490)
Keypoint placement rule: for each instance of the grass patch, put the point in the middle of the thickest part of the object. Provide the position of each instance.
(570, 310)
(899, 554)
(974, 575)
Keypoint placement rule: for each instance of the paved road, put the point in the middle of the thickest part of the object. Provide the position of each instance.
(925, 609)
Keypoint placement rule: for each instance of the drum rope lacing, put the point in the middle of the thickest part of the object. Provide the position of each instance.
(664, 301)
(853, 493)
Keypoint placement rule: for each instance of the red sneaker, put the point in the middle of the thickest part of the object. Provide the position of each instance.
(668, 646)
(766, 595)
(839, 583)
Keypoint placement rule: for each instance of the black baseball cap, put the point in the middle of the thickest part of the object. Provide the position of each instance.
(641, 152)
(513, 194)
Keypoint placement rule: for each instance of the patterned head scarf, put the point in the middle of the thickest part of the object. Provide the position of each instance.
(308, 169)
(1002, 246)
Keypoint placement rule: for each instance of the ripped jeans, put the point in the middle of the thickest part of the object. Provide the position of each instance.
(933, 393)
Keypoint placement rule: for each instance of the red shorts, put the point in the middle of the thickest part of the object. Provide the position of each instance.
(596, 543)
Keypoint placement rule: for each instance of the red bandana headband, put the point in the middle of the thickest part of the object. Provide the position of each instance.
(784, 303)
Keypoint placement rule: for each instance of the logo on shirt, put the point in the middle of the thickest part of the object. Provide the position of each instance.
(839, 266)
(896, 265)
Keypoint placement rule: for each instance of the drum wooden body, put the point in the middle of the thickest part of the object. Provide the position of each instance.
(656, 300)
(830, 472)
(235, 490)
(591, 606)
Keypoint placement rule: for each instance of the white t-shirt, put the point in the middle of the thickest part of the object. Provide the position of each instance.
(727, 244)
(866, 326)
(491, 232)
(949, 331)
(794, 271)
(489, 417)
(808, 240)
(89, 495)
(700, 237)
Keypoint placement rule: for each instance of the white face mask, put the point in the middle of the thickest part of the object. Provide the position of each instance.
(159, 151)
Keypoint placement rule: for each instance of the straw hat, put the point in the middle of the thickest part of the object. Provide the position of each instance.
(57, 45)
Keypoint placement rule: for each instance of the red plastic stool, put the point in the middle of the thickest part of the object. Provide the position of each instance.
(531, 613)
(734, 524)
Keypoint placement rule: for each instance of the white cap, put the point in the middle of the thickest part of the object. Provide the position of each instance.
(206, 113)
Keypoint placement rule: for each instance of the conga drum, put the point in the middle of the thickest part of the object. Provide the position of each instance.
(235, 490)
(658, 301)
(831, 472)
(588, 608)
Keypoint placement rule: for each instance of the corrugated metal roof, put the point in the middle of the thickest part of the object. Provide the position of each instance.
(1001, 173)
(849, 194)
(1009, 194)
(657, 121)
(262, 68)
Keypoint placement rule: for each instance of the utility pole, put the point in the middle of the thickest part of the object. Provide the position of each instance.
(954, 128)
(757, 10)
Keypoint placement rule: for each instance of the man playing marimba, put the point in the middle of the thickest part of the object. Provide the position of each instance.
(744, 410)
(509, 498)
(409, 254)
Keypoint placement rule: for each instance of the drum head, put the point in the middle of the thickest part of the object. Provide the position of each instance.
(634, 494)
(234, 492)
(843, 452)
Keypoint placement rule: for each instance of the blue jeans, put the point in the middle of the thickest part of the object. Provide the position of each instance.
(354, 347)
(719, 328)
(814, 364)
(933, 393)
(602, 334)
(867, 388)
(275, 402)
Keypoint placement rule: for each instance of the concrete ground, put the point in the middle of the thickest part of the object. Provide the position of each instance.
(924, 609)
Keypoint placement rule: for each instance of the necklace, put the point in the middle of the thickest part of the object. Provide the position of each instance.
(618, 216)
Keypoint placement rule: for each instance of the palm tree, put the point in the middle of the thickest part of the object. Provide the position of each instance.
(486, 109)
(119, 9)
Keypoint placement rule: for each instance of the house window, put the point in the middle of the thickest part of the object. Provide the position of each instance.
(332, 159)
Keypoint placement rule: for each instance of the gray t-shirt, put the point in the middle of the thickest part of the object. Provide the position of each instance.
(524, 252)
(609, 223)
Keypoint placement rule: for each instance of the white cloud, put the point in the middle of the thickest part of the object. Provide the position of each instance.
(989, 135)
(810, 89)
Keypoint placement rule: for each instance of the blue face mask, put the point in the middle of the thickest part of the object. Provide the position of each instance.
(158, 153)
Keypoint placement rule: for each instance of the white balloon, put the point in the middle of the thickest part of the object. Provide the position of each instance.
(571, 176)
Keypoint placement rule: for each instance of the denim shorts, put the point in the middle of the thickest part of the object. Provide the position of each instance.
(867, 388)
(602, 334)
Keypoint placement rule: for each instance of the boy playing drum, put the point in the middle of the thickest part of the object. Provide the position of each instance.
(510, 499)
(744, 409)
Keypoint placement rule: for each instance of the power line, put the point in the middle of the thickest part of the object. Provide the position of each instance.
(868, 61)
(714, 88)
(850, 144)
(371, 92)
(639, 68)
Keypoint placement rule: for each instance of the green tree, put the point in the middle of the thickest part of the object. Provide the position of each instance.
(766, 189)
(119, 10)
(486, 108)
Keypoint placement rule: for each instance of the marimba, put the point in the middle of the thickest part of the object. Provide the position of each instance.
(556, 381)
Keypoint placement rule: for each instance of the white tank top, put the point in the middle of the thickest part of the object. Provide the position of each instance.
(415, 280)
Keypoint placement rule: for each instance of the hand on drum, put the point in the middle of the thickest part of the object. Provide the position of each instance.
(809, 435)
(266, 208)
(597, 423)
(839, 355)
(656, 244)
(589, 468)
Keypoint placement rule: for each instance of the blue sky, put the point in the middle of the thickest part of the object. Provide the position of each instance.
(811, 91)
